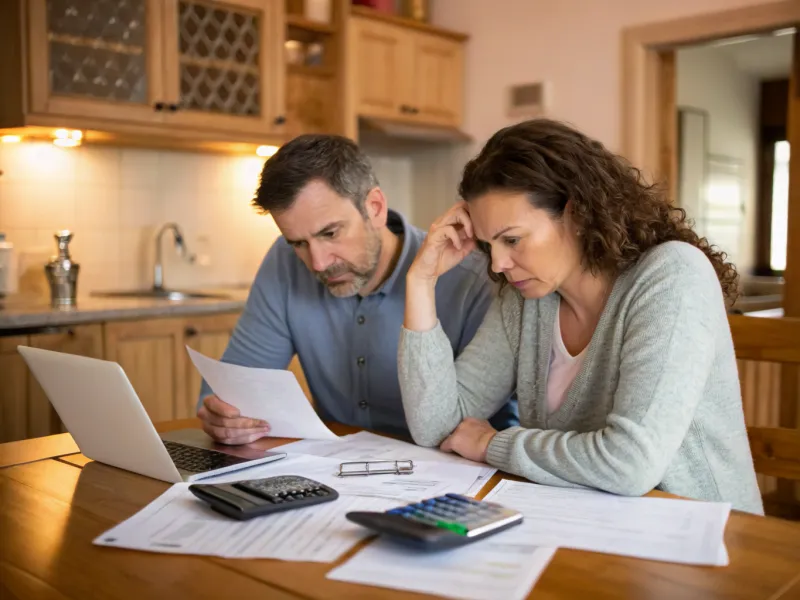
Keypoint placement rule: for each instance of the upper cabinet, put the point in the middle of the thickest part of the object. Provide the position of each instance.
(223, 64)
(222, 74)
(95, 59)
(406, 74)
(199, 66)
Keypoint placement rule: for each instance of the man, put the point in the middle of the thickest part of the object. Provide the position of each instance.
(332, 290)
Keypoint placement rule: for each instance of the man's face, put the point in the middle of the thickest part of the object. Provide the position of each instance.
(332, 238)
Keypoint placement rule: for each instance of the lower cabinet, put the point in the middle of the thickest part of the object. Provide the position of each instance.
(152, 352)
(25, 411)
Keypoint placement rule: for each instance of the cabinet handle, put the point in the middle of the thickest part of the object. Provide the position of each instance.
(404, 108)
(280, 120)
(159, 106)
(414, 110)
(174, 107)
(190, 332)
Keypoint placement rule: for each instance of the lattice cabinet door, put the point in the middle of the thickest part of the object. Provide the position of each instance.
(223, 64)
(98, 59)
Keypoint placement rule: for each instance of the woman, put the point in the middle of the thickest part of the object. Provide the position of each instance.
(610, 325)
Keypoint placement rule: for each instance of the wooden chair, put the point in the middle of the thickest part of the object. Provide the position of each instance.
(776, 450)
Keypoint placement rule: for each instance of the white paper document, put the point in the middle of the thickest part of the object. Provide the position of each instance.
(273, 395)
(682, 531)
(369, 446)
(428, 479)
(177, 522)
(496, 567)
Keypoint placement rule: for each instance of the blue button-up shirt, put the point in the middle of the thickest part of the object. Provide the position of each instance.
(347, 347)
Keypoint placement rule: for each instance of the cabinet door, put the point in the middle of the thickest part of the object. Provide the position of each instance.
(97, 59)
(223, 63)
(13, 390)
(83, 340)
(381, 55)
(152, 355)
(208, 335)
(438, 80)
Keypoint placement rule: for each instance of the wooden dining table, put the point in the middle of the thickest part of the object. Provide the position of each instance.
(55, 501)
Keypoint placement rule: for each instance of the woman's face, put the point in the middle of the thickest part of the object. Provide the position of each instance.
(534, 251)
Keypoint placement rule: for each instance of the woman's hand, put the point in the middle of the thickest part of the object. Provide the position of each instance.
(470, 439)
(448, 242)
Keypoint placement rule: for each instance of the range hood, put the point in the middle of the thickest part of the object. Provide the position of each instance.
(437, 134)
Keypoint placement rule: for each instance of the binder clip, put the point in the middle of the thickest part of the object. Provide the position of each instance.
(377, 467)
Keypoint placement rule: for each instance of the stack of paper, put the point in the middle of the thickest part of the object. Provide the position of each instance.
(486, 570)
(508, 564)
(177, 522)
(682, 531)
(369, 446)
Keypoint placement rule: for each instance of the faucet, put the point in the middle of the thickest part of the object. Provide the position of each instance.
(180, 245)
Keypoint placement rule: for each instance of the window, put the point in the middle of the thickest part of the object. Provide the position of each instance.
(780, 206)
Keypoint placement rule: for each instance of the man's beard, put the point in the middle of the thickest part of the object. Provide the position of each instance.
(362, 272)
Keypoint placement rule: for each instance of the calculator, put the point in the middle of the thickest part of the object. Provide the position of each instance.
(247, 499)
(437, 523)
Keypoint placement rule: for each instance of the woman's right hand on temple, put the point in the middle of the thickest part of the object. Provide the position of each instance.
(449, 241)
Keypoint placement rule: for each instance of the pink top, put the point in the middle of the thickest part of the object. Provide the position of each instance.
(563, 369)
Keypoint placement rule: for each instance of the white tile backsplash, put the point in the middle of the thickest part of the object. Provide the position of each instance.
(115, 199)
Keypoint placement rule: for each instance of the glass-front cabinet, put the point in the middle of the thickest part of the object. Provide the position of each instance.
(198, 64)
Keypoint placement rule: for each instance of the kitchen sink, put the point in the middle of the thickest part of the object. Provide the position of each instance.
(164, 294)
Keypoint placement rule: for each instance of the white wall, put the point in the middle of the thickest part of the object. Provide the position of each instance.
(709, 79)
(575, 44)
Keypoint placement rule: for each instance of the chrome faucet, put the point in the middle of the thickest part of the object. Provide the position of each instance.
(180, 246)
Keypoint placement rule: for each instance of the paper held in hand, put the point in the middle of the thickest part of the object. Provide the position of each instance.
(273, 395)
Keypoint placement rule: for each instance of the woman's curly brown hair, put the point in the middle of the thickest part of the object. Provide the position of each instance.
(619, 214)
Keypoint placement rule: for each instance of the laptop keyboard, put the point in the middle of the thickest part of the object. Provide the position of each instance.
(199, 460)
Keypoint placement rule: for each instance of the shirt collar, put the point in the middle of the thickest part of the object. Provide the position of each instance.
(398, 225)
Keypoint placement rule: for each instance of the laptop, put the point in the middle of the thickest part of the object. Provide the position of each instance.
(99, 407)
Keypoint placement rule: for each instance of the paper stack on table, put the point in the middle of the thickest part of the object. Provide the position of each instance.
(508, 564)
(681, 531)
(179, 522)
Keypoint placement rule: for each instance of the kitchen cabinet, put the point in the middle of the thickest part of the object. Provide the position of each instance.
(194, 66)
(406, 75)
(13, 390)
(152, 354)
(25, 411)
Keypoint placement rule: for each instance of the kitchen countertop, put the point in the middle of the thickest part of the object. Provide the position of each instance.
(24, 313)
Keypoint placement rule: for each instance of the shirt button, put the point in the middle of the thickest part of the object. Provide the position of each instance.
(360, 361)
(363, 404)
(360, 320)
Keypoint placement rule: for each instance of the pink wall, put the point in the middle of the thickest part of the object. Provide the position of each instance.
(575, 44)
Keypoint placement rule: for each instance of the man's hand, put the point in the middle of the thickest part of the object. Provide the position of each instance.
(470, 439)
(224, 423)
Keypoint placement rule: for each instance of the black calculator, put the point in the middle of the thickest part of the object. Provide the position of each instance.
(443, 522)
(247, 499)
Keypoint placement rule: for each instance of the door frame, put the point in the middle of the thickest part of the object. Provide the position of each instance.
(648, 100)
(647, 53)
